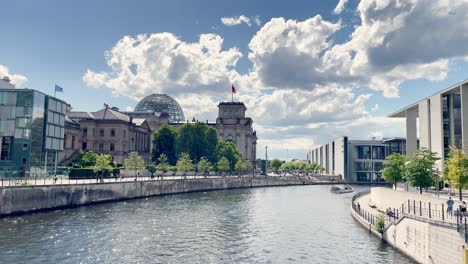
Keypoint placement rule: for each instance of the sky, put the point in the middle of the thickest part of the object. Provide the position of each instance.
(309, 71)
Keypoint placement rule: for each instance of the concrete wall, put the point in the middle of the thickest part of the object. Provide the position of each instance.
(33, 198)
(437, 134)
(424, 124)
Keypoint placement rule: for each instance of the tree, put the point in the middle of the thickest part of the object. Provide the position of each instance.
(276, 164)
(102, 163)
(394, 168)
(228, 150)
(457, 169)
(204, 165)
(163, 164)
(198, 140)
(248, 166)
(134, 162)
(240, 166)
(223, 164)
(151, 169)
(87, 158)
(184, 163)
(164, 142)
(420, 170)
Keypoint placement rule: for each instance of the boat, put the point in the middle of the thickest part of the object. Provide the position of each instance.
(345, 189)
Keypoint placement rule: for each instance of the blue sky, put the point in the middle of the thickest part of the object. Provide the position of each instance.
(64, 41)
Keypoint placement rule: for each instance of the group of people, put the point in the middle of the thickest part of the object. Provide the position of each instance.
(450, 204)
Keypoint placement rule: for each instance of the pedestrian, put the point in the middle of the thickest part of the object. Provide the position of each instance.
(463, 208)
(450, 206)
(359, 207)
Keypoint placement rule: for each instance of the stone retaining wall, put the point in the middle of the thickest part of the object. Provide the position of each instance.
(23, 199)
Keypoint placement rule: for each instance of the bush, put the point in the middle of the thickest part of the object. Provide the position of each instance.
(88, 173)
(380, 223)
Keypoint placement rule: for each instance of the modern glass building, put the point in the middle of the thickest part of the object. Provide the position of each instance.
(356, 160)
(31, 132)
(440, 121)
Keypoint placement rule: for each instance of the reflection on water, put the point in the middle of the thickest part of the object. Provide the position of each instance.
(303, 224)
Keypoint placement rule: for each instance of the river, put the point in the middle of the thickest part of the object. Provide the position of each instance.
(296, 224)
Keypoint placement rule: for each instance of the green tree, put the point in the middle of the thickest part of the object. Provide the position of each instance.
(134, 162)
(248, 166)
(228, 150)
(457, 169)
(87, 158)
(151, 169)
(420, 170)
(240, 166)
(276, 164)
(198, 140)
(223, 164)
(184, 163)
(164, 142)
(204, 165)
(163, 164)
(394, 168)
(302, 166)
(102, 163)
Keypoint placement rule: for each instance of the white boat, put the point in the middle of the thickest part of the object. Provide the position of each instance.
(345, 189)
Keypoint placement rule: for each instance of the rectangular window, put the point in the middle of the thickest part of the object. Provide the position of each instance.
(85, 132)
(84, 145)
(378, 152)
(112, 132)
(364, 152)
(101, 132)
(101, 147)
(5, 148)
(112, 148)
(125, 133)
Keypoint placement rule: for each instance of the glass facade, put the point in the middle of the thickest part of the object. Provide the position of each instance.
(25, 126)
(159, 103)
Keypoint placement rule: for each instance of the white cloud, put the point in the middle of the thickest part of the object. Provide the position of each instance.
(234, 21)
(340, 6)
(395, 42)
(129, 108)
(238, 20)
(299, 107)
(162, 63)
(375, 108)
(16, 79)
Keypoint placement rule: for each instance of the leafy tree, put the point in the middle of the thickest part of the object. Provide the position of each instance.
(134, 162)
(163, 164)
(276, 164)
(240, 166)
(184, 163)
(420, 170)
(151, 169)
(102, 163)
(87, 158)
(204, 165)
(223, 164)
(321, 168)
(394, 168)
(198, 140)
(164, 142)
(229, 151)
(457, 169)
(248, 166)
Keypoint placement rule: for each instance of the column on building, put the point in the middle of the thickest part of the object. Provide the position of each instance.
(464, 115)
(411, 132)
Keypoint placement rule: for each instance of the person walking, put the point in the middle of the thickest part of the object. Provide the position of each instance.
(463, 208)
(450, 203)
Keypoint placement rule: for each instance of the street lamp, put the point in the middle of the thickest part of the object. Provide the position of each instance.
(266, 160)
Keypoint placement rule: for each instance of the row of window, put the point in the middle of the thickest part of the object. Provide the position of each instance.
(100, 146)
(377, 152)
(54, 131)
(368, 166)
(8, 98)
(54, 143)
(102, 132)
(55, 118)
(57, 106)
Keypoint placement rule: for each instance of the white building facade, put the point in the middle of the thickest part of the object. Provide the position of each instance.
(440, 121)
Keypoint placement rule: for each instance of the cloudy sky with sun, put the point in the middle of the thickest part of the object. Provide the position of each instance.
(308, 70)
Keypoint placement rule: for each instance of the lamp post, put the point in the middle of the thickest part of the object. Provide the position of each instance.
(266, 160)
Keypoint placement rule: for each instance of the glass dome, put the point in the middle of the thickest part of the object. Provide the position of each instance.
(159, 103)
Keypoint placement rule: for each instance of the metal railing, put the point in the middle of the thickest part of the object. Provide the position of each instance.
(368, 216)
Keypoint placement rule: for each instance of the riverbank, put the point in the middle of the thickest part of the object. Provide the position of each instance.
(419, 225)
(26, 199)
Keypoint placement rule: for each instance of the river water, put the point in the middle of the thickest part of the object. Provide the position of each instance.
(297, 224)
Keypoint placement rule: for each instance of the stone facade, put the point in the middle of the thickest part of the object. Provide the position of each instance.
(117, 133)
